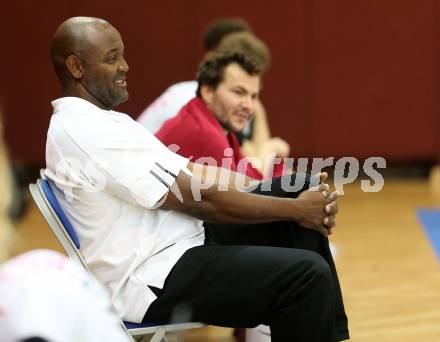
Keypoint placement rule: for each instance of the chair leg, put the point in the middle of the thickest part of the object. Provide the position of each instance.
(172, 338)
(145, 338)
(159, 336)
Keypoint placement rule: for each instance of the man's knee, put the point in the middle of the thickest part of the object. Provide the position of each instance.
(313, 269)
(319, 267)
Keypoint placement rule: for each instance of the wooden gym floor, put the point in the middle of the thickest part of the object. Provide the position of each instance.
(389, 273)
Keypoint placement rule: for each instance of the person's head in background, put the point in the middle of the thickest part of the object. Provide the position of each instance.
(229, 84)
(249, 44)
(5, 199)
(220, 28)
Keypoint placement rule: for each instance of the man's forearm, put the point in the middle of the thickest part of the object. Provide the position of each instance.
(235, 207)
(231, 206)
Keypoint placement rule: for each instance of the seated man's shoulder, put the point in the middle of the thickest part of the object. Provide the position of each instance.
(184, 124)
(95, 129)
(186, 87)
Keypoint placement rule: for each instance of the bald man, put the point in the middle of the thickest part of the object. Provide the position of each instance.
(141, 211)
(75, 57)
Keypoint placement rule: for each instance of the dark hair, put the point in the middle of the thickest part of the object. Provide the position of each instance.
(215, 32)
(249, 44)
(211, 70)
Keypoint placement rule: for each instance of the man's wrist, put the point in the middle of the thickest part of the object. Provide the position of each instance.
(293, 209)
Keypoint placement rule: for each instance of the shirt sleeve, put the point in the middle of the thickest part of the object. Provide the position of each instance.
(124, 159)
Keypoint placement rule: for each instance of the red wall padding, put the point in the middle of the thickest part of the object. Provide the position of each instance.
(349, 78)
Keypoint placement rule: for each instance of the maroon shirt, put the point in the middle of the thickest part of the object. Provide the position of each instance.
(197, 132)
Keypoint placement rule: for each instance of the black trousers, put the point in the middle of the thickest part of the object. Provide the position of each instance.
(277, 274)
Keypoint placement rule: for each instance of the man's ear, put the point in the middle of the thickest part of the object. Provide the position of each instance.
(75, 66)
(206, 92)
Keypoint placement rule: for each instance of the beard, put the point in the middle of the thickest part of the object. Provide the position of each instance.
(228, 127)
(109, 96)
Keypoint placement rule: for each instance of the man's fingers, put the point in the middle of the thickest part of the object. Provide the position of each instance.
(332, 208)
(316, 179)
(329, 221)
(323, 230)
(323, 187)
(332, 197)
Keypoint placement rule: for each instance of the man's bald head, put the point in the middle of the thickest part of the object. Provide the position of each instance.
(88, 57)
(72, 38)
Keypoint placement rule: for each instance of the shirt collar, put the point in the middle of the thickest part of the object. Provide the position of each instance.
(203, 109)
(78, 103)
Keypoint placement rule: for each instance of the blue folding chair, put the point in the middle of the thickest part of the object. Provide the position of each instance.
(61, 226)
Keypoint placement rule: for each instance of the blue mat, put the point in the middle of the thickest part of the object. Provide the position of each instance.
(430, 219)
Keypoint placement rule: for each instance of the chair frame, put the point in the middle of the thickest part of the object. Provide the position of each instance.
(134, 330)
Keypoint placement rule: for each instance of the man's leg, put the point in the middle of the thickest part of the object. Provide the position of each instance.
(284, 234)
(243, 286)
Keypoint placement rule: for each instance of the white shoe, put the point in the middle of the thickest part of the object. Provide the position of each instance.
(260, 333)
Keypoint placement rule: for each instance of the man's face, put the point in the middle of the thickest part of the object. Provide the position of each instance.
(233, 101)
(105, 67)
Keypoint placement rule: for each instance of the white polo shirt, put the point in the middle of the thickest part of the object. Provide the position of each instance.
(167, 105)
(110, 173)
